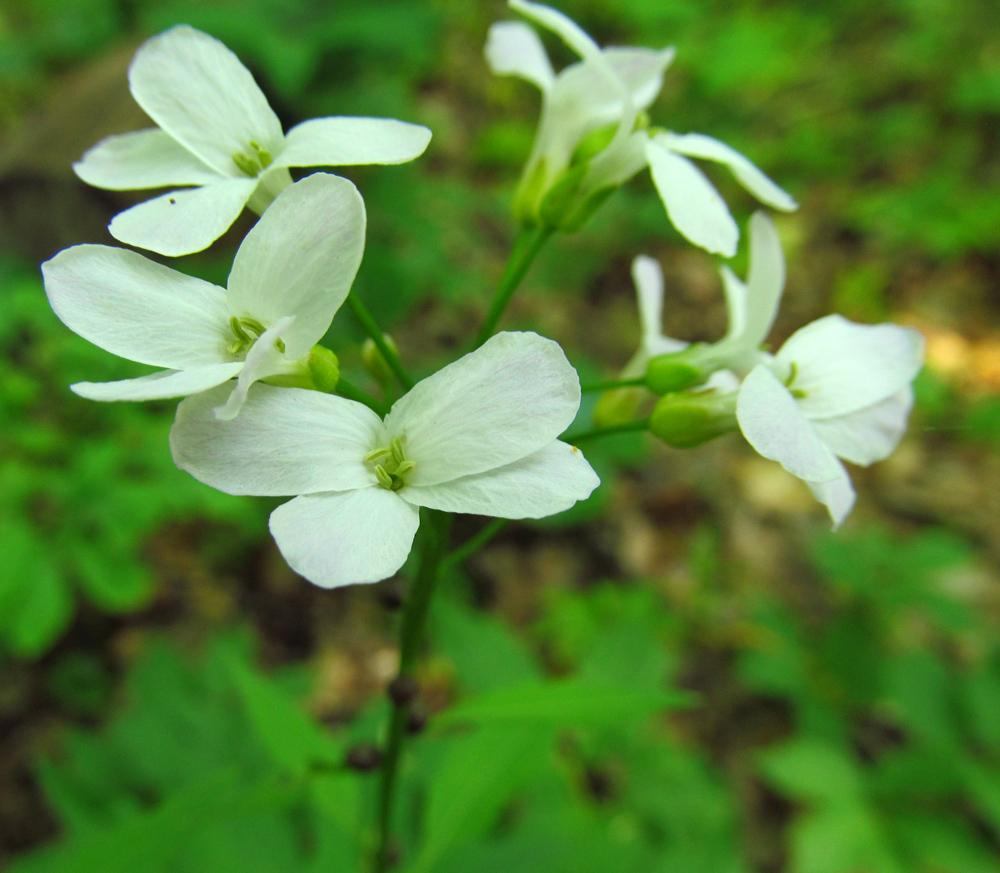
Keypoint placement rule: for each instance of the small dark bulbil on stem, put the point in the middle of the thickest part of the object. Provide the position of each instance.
(390, 596)
(364, 757)
(416, 720)
(403, 690)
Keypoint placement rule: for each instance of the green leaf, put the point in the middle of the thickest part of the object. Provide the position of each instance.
(563, 702)
(807, 769)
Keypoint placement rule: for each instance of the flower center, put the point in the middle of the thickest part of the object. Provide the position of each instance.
(797, 393)
(254, 160)
(390, 464)
(247, 331)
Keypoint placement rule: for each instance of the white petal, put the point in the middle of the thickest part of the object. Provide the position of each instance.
(159, 386)
(514, 49)
(698, 145)
(870, 434)
(137, 309)
(561, 25)
(263, 360)
(300, 259)
(773, 424)
(549, 481)
(183, 222)
(335, 142)
(143, 159)
(844, 367)
(285, 441)
(648, 278)
(837, 496)
(345, 538)
(641, 69)
(694, 206)
(736, 305)
(618, 163)
(496, 405)
(200, 93)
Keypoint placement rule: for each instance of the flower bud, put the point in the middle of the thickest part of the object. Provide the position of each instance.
(324, 369)
(688, 420)
(374, 361)
(678, 371)
(617, 407)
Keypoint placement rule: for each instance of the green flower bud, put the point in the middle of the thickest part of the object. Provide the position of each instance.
(375, 362)
(559, 199)
(617, 407)
(665, 374)
(688, 420)
(324, 369)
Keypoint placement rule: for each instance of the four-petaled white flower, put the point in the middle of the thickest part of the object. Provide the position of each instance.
(590, 131)
(835, 390)
(218, 133)
(479, 436)
(290, 276)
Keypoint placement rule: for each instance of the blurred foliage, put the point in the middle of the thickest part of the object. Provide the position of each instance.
(847, 718)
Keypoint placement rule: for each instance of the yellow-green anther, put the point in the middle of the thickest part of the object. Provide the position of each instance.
(403, 469)
(253, 325)
(237, 329)
(798, 393)
(279, 344)
(396, 446)
(235, 347)
(384, 479)
(246, 164)
(793, 371)
(641, 121)
(263, 155)
(378, 454)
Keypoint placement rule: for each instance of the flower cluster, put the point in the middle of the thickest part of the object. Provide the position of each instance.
(266, 412)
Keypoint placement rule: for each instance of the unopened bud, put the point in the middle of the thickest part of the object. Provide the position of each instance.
(375, 362)
(688, 420)
(617, 406)
(324, 369)
(678, 371)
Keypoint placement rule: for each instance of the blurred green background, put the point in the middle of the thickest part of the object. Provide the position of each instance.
(173, 698)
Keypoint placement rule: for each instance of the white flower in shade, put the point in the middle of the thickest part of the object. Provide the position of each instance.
(835, 390)
(217, 132)
(479, 436)
(290, 275)
(591, 136)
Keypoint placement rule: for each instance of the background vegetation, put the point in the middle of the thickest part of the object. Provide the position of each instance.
(173, 698)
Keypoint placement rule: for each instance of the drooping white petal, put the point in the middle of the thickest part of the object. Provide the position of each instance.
(648, 278)
(618, 163)
(549, 481)
(843, 367)
(335, 142)
(698, 145)
(837, 496)
(159, 386)
(773, 424)
(514, 49)
(138, 309)
(736, 304)
(641, 70)
(870, 434)
(183, 222)
(285, 441)
(200, 93)
(345, 538)
(561, 25)
(264, 359)
(496, 405)
(300, 259)
(143, 159)
(693, 204)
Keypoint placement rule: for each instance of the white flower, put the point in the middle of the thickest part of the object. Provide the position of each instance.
(479, 436)
(648, 278)
(590, 137)
(218, 133)
(290, 275)
(835, 390)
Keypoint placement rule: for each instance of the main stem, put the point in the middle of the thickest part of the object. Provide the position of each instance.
(371, 328)
(418, 601)
(527, 247)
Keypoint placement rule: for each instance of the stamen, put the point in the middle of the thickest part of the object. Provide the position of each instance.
(384, 479)
(396, 446)
(378, 453)
(404, 468)
(237, 329)
(252, 324)
(246, 164)
(279, 344)
(391, 466)
(793, 371)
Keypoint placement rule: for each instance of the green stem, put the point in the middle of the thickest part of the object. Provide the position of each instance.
(611, 384)
(473, 544)
(576, 438)
(375, 332)
(438, 525)
(529, 244)
(351, 392)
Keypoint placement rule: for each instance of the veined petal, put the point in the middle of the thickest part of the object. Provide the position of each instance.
(514, 49)
(698, 145)
(143, 159)
(774, 425)
(183, 222)
(300, 259)
(843, 367)
(496, 405)
(693, 204)
(870, 434)
(285, 441)
(264, 359)
(549, 481)
(160, 386)
(837, 496)
(561, 25)
(200, 93)
(335, 142)
(137, 309)
(345, 538)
